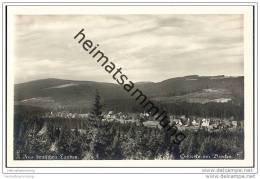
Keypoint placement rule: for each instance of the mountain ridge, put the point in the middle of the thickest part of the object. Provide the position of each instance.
(60, 92)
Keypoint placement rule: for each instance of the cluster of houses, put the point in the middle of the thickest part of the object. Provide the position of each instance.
(66, 115)
(181, 121)
(207, 123)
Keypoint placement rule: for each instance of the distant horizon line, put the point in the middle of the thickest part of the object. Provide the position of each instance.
(231, 76)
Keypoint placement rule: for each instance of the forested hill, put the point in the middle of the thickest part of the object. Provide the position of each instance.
(189, 89)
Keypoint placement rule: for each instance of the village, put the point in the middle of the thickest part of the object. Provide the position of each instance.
(183, 122)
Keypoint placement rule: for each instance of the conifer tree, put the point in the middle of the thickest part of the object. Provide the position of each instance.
(96, 112)
(98, 144)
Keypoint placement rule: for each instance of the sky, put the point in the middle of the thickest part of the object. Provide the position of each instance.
(147, 47)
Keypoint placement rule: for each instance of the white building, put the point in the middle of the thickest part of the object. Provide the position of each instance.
(205, 122)
(234, 123)
(194, 123)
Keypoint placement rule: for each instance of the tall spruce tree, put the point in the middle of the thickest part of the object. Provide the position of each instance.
(96, 112)
(97, 144)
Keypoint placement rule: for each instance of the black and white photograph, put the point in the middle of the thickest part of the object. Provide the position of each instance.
(130, 85)
(73, 101)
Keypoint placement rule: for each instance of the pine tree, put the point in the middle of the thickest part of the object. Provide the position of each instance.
(65, 141)
(98, 142)
(116, 153)
(96, 112)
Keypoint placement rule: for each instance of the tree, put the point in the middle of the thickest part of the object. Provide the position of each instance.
(64, 145)
(96, 112)
(99, 142)
(116, 152)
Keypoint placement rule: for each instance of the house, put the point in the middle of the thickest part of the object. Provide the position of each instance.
(146, 114)
(227, 123)
(188, 122)
(234, 123)
(194, 123)
(205, 122)
(179, 123)
(110, 113)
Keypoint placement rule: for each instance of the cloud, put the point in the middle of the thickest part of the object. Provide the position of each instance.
(147, 47)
